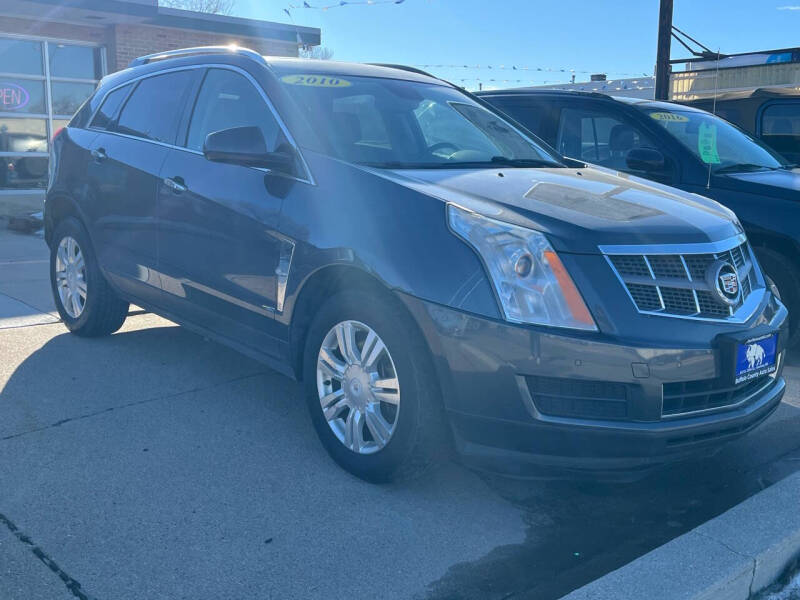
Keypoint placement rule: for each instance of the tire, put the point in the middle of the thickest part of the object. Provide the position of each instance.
(787, 280)
(419, 435)
(99, 311)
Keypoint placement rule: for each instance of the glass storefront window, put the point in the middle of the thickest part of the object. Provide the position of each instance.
(74, 62)
(28, 118)
(68, 96)
(23, 172)
(22, 96)
(23, 135)
(23, 57)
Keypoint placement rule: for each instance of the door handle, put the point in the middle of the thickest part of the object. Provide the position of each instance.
(99, 154)
(176, 184)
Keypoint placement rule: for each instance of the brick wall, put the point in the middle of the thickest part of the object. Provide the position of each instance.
(132, 41)
(126, 42)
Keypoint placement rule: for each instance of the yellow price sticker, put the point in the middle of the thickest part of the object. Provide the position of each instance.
(315, 80)
(666, 116)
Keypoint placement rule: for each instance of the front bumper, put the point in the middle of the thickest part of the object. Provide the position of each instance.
(488, 372)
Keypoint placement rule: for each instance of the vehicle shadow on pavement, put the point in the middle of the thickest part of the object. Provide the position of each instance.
(154, 463)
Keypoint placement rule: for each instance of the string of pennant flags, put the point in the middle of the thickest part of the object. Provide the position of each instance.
(609, 82)
(525, 68)
(342, 3)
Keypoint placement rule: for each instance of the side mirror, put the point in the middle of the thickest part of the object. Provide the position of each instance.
(645, 159)
(245, 146)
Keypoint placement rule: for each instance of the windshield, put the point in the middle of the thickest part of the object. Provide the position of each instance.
(716, 142)
(390, 123)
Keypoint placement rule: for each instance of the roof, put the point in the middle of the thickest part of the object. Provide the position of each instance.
(640, 87)
(280, 65)
(147, 12)
(641, 102)
(762, 92)
(534, 91)
(335, 67)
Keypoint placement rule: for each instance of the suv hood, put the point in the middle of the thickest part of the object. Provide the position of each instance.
(780, 183)
(579, 209)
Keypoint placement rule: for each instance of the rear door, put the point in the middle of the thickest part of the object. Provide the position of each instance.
(218, 240)
(137, 129)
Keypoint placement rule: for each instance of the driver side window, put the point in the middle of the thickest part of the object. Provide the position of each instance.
(599, 138)
(227, 100)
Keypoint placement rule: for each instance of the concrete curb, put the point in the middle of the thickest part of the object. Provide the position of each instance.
(732, 557)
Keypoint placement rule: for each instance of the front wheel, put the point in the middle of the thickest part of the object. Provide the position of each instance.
(370, 388)
(87, 304)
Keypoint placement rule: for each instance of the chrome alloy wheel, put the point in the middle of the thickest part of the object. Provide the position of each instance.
(358, 387)
(71, 277)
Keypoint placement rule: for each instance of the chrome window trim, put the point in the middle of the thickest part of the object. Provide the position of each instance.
(748, 307)
(309, 179)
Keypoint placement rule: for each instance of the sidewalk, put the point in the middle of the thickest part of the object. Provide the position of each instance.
(25, 297)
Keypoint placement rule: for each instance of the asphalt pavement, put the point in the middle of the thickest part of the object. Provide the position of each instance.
(157, 464)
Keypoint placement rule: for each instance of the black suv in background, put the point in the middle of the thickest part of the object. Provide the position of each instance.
(681, 147)
(769, 114)
(409, 254)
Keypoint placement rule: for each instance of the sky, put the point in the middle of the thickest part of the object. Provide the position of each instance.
(588, 36)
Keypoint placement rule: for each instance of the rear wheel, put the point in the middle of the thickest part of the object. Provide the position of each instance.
(787, 280)
(85, 301)
(370, 389)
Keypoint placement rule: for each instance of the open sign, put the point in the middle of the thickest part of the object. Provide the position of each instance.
(13, 96)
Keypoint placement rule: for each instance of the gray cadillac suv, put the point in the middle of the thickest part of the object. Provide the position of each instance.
(428, 269)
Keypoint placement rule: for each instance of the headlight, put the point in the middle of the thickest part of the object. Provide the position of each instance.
(531, 282)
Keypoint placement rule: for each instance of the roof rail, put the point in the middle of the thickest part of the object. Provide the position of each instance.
(404, 68)
(143, 60)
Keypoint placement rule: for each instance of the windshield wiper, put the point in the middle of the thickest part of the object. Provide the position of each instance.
(743, 168)
(524, 162)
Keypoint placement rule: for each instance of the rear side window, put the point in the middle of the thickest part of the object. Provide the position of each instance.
(228, 100)
(109, 107)
(781, 119)
(525, 112)
(153, 111)
(780, 128)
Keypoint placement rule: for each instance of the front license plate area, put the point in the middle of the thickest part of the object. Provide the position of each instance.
(755, 358)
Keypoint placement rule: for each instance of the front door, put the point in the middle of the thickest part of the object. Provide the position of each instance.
(218, 243)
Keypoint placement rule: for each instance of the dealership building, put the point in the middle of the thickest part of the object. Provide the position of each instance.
(53, 53)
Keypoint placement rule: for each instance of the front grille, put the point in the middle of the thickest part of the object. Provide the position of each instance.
(675, 283)
(707, 394)
(579, 398)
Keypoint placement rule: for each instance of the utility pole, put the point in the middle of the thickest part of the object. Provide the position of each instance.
(662, 55)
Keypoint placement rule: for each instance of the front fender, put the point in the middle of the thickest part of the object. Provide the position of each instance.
(397, 235)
